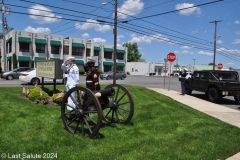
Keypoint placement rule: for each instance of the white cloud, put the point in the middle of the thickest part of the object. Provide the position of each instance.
(119, 45)
(133, 35)
(230, 63)
(85, 35)
(236, 41)
(187, 47)
(195, 31)
(141, 39)
(205, 53)
(219, 41)
(183, 52)
(231, 51)
(187, 12)
(130, 8)
(149, 39)
(119, 37)
(99, 40)
(238, 32)
(38, 30)
(92, 24)
(237, 22)
(43, 11)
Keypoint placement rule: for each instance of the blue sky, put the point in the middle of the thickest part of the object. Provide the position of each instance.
(188, 33)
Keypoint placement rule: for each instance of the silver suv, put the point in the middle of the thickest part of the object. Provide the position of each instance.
(14, 73)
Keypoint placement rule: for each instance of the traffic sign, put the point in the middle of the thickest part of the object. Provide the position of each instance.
(165, 60)
(220, 66)
(171, 57)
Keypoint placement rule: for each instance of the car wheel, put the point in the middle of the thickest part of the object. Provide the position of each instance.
(213, 95)
(9, 77)
(237, 100)
(108, 77)
(122, 78)
(35, 81)
(188, 90)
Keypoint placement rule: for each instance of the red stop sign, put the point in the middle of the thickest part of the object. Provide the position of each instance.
(220, 66)
(171, 57)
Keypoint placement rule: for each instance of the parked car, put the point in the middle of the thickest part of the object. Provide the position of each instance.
(109, 75)
(30, 77)
(188, 76)
(14, 73)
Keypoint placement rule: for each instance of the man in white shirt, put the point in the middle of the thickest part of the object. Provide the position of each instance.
(72, 78)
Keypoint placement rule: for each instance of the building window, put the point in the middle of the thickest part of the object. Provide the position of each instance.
(23, 47)
(88, 51)
(40, 48)
(66, 50)
(96, 53)
(108, 55)
(54, 49)
(119, 68)
(77, 51)
(107, 68)
(120, 56)
(132, 69)
(9, 47)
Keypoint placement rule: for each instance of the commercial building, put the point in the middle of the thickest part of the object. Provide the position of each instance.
(31, 47)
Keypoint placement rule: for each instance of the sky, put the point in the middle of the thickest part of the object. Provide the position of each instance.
(157, 26)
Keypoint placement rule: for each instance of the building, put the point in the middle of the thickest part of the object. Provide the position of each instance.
(31, 47)
(191, 67)
(147, 68)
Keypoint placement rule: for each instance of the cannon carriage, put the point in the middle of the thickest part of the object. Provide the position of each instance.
(113, 104)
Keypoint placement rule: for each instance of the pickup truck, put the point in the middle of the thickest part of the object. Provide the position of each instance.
(214, 83)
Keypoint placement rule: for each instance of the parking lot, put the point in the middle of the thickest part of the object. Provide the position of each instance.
(144, 81)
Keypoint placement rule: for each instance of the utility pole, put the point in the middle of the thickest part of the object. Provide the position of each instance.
(4, 38)
(115, 42)
(194, 63)
(215, 37)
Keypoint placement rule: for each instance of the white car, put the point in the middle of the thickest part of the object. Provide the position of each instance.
(188, 76)
(30, 77)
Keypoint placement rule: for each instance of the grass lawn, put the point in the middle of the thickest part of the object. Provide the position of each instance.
(161, 128)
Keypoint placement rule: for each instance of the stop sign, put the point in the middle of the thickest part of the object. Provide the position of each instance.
(171, 57)
(220, 66)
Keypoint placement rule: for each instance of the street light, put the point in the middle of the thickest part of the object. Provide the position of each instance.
(115, 39)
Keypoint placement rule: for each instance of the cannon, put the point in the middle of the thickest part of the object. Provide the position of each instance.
(113, 104)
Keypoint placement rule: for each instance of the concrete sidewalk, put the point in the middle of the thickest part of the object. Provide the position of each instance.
(222, 113)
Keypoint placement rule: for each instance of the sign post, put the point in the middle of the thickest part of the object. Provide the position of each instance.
(220, 66)
(171, 57)
(165, 70)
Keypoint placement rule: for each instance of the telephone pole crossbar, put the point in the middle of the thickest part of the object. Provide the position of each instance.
(215, 38)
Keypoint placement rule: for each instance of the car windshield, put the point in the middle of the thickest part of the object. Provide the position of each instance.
(110, 72)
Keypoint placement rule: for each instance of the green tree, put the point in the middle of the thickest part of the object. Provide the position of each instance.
(133, 52)
(210, 64)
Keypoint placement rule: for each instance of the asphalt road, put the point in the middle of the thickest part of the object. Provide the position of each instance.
(145, 81)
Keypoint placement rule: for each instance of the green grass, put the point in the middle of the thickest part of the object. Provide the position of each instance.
(161, 128)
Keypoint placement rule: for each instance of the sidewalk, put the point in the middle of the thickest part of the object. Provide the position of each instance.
(222, 113)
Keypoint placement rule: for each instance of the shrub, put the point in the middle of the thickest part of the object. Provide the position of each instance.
(100, 72)
(59, 100)
(50, 92)
(34, 94)
(81, 72)
(152, 74)
(1, 69)
(128, 73)
(14, 59)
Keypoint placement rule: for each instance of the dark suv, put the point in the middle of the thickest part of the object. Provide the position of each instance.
(14, 73)
(214, 83)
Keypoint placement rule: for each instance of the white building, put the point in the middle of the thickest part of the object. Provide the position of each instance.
(31, 47)
(147, 68)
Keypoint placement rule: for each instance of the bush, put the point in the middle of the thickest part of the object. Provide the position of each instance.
(59, 100)
(50, 92)
(34, 94)
(100, 72)
(128, 73)
(81, 72)
(1, 69)
(152, 74)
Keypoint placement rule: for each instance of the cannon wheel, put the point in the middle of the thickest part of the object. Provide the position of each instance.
(121, 106)
(86, 117)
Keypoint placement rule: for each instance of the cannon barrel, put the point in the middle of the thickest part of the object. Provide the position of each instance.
(106, 92)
